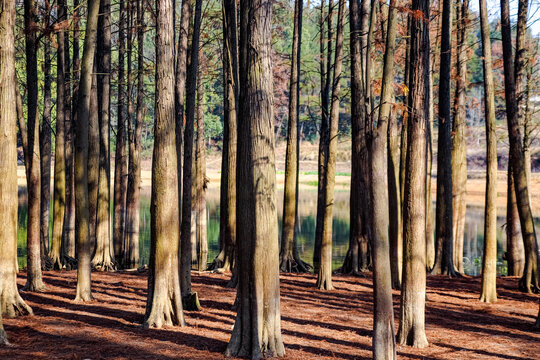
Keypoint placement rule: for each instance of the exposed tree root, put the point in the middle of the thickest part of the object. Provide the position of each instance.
(13, 305)
(291, 264)
(34, 286)
(46, 263)
(165, 311)
(529, 282)
(191, 302)
(104, 265)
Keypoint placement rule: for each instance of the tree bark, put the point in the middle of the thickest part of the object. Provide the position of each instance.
(191, 84)
(383, 323)
(489, 259)
(288, 258)
(530, 281)
(131, 259)
(57, 252)
(34, 280)
(430, 231)
(11, 303)
(459, 142)
(200, 176)
(324, 132)
(84, 292)
(412, 316)
(257, 329)
(444, 259)
(164, 303)
(120, 159)
(515, 251)
(93, 159)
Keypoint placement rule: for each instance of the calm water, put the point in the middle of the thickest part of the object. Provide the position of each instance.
(473, 242)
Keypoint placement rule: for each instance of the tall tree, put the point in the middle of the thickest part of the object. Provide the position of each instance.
(131, 256)
(411, 326)
(489, 258)
(257, 329)
(45, 145)
(34, 280)
(11, 303)
(324, 273)
(530, 280)
(383, 322)
(56, 252)
(324, 131)
(185, 231)
(93, 158)
(200, 175)
(84, 292)
(459, 145)
(164, 302)
(103, 258)
(120, 160)
(444, 261)
(226, 259)
(289, 258)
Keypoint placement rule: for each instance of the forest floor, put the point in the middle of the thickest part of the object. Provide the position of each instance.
(315, 324)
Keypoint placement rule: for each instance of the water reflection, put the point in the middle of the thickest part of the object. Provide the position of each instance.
(473, 242)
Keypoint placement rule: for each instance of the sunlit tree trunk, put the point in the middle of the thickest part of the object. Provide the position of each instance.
(430, 230)
(84, 292)
(191, 87)
(459, 141)
(164, 302)
(11, 303)
(384, 346)
(289, 259)
(56, 252)
(515, 251)
(413, 295)
(489, 258)
(257, 329)
(444, 259)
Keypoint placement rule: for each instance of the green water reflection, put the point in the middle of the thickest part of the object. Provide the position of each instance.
(473, 242)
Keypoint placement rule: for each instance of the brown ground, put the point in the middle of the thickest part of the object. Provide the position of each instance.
(315, 324)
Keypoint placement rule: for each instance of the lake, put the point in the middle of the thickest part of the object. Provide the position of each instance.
(473, 242)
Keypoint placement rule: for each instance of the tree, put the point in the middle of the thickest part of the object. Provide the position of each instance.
(84, 292)
(185, 231)
(11, 303)
(164, 302)
(324, 273)
(489, 258)
(459, 144)
(444, 261)
(411, 326)
(200, 176)
(257, 329)
(120, 159)
(530, 280)
(383, 322)
(289, 259)
(93, 160)
(104, 255)
(131, 255)
(3, 336)
(226, 259)
(34, 280)
(57, 252)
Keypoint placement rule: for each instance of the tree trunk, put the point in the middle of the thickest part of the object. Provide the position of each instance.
(45, 148)
(200, 176)
(34, 280)
(459, 141)
(70, 120)
(191, 84)
(164, 303)
(430, 231)
(257, 329)
(324, 273)
(324, 134)
(131, 259)
(226, 259)
(412, 316)
(444, 259)
(383, 323)
(84, 292)
(530, 279)
(515, 251)
(57, 252)
(385, 110)
(93, 159)
(11, 303)
(120, 159)
(287, 259)
(489, 258)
